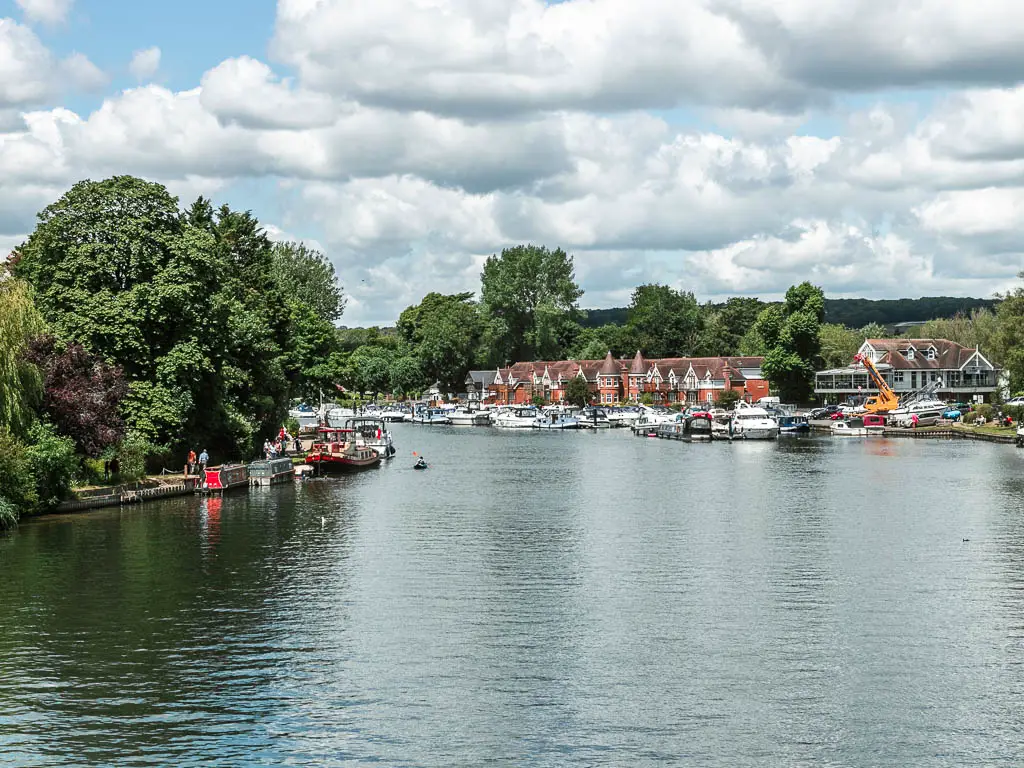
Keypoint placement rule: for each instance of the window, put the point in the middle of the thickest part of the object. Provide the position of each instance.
(909, 354)
(898, 377)
(930, 354)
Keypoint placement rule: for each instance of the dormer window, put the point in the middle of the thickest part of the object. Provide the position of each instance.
(909, 354)
(930, 353)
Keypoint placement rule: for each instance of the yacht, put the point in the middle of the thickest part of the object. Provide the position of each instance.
(307, 418)
(393, 413)
(469, 417)
(430, 416)
(650, 419)
(556, 419)
(624, 417)
(372, 432)
(517, 418)
(794, 425)
(928, 412)
(336, 416)
(592, 417)
(750, 422)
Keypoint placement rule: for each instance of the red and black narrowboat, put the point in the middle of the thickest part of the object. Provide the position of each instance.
(225, 478)
(341, 450)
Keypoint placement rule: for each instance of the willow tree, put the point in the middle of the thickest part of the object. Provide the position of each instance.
(20, 381)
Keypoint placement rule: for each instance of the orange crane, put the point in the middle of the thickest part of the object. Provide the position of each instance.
(886, 400)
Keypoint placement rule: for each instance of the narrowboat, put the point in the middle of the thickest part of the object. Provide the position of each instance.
(341, 450)
(271, 471)
(225, 478)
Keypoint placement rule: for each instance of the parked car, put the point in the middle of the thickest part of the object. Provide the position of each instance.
(824, 413)
(1015, 401)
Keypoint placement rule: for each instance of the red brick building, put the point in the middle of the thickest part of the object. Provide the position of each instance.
(667, 380)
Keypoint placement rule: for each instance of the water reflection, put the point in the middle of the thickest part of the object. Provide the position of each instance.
(536, 599)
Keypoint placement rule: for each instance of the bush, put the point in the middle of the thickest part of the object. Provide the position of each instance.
(8, 514)
(132, 455)
(647, 398)
(538, 400)
(983, 409)
(1015, 412)
(53, 464)
(16, 484)
(727, 399)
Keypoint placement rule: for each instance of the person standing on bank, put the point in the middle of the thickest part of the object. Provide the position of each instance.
(204, 459)
(191, 470)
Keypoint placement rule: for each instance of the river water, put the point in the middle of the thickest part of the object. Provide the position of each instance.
(536, 600)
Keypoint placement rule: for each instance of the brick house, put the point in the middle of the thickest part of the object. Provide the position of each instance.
(668, 380)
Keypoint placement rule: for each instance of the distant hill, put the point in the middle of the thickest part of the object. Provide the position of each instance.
(856, 313)
(853, 313)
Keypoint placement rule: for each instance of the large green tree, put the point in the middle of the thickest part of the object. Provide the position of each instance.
(306, 275)
(789, 332)
(1008, 339)
(663, 321)
(20, 381)
(530, 303)
(211, 324)
(444, 334)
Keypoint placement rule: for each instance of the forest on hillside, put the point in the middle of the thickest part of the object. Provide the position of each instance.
(853, 313)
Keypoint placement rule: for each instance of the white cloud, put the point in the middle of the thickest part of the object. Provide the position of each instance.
(29, 73)
(46, 11)
(508, 56)
(415, 137)
(145, 63)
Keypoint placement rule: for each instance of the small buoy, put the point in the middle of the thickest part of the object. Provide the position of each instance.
(323, 520)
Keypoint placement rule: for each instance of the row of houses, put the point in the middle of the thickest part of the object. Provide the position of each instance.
(957, 372)
(612, 380)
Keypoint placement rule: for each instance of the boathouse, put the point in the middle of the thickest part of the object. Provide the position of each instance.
(954, 371)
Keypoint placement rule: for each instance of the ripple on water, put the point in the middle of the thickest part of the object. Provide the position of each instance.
(544, 600)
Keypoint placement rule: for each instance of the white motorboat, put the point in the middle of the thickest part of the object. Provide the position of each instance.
(750, 422)
(372, 432)
(336, 416)
(650, 419)
(431, 416)
(516, 418)
(469, 417)
(307, 418)
(393, 413)
(624, 417)
(592, 417)
(556, 420)
(928, 412)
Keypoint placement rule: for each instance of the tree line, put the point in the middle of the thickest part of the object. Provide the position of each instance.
(133, 329)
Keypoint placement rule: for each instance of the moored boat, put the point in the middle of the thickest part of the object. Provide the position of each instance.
(794, 425)
(225, 478)
(469, 417)
(750, 422)
(372, 431)
(555, 420)
(516, 418)
(592, 417)
(339, 450)
(424, 415)
(271, 471)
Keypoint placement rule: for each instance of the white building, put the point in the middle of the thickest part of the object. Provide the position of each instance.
(958, 372)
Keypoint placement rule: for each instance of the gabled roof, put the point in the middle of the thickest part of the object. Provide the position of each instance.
(481, 378)
(948, 354)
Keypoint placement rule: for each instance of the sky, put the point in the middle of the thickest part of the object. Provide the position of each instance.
(724, 147)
